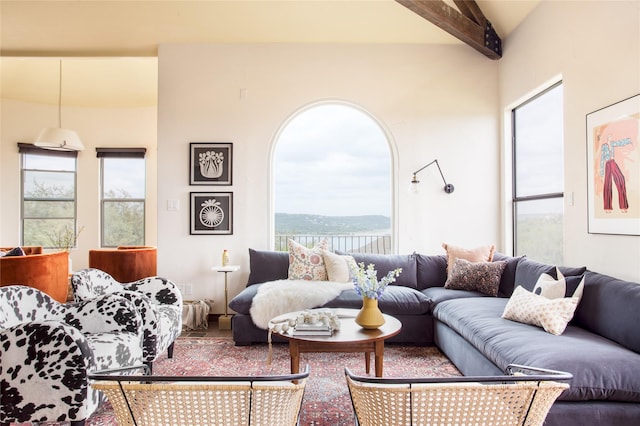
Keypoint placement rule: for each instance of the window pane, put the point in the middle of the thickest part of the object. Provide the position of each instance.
(49, 162)
(539, 161)
(123, 223)
(539, 230)
(123, 178)
(332, 177)
(48, 209)
(56, 185)
(46, 232)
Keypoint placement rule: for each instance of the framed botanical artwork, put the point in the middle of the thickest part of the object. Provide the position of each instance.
(211, 213)
(210, 163)
(613, 168)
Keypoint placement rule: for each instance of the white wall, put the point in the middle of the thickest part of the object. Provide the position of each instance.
(434, 101)
(97, 126)
(595, 47)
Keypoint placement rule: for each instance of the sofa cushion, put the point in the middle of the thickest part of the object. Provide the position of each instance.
(267, 266)
(396, 300)
(528, 271)
(307, 263)
(431, 270)
(509, 273)
(610, 307)
(241, 302)
(559, 287)
(551, 314)
(388, 262)
(476, 276)
(600, 367)
(440, 294)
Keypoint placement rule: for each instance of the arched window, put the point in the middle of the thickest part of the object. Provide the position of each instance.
(332, 170)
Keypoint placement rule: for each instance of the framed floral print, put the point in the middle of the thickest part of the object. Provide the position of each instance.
(210, 163)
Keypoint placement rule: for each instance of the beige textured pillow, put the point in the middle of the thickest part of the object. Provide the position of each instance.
(338, 266)
(551, 314)
(476, 276)
(307, 263)
(478, 254)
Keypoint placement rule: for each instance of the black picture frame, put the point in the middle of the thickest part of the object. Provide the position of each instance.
(210, 163)
(211, 213)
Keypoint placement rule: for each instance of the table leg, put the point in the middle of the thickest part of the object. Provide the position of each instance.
(294, 353)
(379, 357)
(367, 362)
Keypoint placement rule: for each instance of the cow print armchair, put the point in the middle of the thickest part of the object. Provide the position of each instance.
(47, 350)
(158, 300)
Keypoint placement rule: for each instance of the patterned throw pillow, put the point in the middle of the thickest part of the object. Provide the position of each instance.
(476, 276)
(551, 314)
(478, 254)
(338, 266)
(307, 263)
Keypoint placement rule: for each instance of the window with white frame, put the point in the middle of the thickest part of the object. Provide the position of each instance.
(123, 184)
(538, 176)
(332, 176)
(48, 205)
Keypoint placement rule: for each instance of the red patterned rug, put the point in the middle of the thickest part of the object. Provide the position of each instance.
(326, 400)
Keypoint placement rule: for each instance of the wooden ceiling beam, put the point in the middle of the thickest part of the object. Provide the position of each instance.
(468, 24)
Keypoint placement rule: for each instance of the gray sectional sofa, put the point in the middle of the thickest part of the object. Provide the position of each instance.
(600, 346)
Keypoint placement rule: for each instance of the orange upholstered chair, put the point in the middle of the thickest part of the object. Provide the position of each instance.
(48, 272)
(126, 263)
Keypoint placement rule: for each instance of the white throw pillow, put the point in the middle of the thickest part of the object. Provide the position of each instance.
(338, 266)
(552, 288)
(551, 314)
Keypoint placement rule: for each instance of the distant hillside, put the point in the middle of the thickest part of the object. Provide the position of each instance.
(301, 224)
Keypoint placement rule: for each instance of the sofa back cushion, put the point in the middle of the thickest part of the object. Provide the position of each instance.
(610, 307)
(388, 262)
(508, 275)
(431, 270)
(267, 266)
(528, 271)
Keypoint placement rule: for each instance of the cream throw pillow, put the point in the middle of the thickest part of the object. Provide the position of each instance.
(307, 263)
(552, 288)
(338, 266)
(551, 314)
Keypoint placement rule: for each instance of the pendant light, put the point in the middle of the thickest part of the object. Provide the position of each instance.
(57, 138)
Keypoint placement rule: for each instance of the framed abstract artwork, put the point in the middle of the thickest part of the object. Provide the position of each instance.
(613, 168)
(210, 163)
(211, 213)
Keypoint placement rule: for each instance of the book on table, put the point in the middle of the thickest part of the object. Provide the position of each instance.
(312, 329)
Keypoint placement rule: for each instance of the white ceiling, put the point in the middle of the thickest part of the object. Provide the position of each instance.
(88, 29)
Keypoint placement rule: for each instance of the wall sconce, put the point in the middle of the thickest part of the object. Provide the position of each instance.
(413, 187)
(57, 138)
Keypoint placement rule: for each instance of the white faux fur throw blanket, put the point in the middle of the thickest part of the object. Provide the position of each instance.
(275, 298)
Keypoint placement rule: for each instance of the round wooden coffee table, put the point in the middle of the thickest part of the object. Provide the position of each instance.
(350, 338)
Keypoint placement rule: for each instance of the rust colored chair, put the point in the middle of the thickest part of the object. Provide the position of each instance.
(48, 272)
(126, 263)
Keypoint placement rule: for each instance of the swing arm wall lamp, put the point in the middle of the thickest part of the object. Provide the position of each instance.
(448, 187)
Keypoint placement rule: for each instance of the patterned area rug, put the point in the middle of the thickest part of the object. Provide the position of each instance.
(326, 400)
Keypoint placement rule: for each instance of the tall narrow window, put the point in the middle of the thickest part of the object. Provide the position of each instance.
(48, 197)
(332, 180)
(123, 196)
(538, 178)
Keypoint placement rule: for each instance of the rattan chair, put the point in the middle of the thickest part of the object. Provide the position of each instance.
(522, 397)
(144, 400)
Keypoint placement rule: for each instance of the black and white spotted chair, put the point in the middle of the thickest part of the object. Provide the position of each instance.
(158, 300)
(47, 350)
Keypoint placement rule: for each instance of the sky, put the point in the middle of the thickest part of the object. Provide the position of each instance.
(333, 160)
